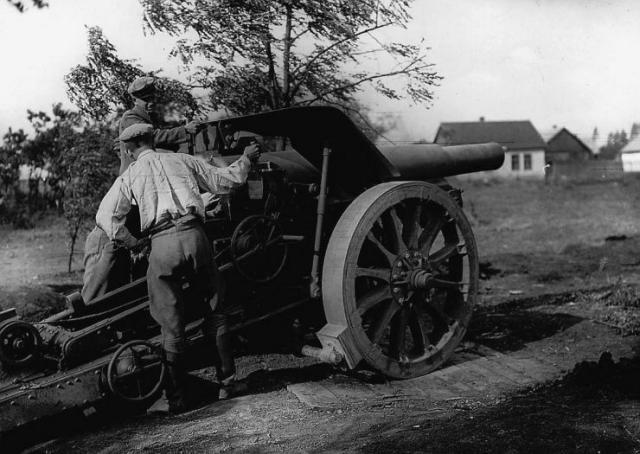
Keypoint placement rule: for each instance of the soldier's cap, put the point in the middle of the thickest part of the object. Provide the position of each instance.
(136, 131)
(142, 87)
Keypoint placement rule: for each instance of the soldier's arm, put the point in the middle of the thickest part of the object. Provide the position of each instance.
(170, 136)
(162, 137)
(216, 179)
(112, 213)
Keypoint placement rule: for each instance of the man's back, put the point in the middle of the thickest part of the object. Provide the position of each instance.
(168, 185)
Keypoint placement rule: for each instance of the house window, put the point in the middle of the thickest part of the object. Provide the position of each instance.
(527, 161)
(515, 162)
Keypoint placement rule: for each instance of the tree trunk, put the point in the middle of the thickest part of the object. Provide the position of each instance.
(286, 58)
(72, 246)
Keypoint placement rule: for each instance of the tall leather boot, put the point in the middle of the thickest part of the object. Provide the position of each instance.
(226, 368)
(216, 333)
(173, 399)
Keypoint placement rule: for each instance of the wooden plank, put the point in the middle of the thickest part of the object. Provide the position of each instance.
(503, 369)
(314, 394)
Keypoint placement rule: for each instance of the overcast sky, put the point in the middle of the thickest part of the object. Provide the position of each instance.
(570, 63)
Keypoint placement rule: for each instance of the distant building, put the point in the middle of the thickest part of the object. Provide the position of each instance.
(525, 148)
(630, 156)
(565, 146)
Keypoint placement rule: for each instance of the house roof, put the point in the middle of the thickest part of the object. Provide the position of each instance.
(632, 147)
(565, 131)
(515, 135)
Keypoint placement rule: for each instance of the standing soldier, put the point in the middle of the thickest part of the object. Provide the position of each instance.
(166, 187)
(148, 110)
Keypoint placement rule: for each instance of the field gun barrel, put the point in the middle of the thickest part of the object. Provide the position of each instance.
(423, 161)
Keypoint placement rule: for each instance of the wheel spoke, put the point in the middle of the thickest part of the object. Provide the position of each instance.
(430, 232)
(383, 274)
(139, 370)
(373, 298)
(439, 316)
(449, 250)
(398, 331)
(388, 255)
(413, 228)
(420, 340)
(384, 320)
(443, 283)
(396, 231)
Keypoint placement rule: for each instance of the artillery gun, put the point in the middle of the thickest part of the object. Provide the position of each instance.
(374, 238)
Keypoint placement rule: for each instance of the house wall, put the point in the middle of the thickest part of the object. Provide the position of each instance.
(564, 147)
(507, 172)
(631, 162)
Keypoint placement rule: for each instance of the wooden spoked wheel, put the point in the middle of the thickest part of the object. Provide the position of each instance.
(401, 273)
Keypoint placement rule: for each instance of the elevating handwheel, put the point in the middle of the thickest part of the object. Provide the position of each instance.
(258, 250)
(136, 371)
(401, 273)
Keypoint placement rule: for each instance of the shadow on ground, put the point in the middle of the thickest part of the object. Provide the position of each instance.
(593, 409)
(511, 325)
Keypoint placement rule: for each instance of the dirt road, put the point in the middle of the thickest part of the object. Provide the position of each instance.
(509, 398)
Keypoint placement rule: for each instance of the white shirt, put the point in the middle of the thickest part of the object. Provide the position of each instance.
(165, 186)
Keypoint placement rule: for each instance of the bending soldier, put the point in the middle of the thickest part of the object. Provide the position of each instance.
(107, 264)
(166, 187)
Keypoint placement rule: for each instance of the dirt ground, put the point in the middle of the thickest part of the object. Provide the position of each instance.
(560, 273)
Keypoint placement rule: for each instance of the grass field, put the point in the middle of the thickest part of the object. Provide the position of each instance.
(524, 216)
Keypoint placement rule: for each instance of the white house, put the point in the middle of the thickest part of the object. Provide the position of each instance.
(525, 148)
(630, 156)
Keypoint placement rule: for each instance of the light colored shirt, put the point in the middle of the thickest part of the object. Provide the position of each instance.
(165, 186)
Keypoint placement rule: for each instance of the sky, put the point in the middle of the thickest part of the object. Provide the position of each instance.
(571, 63)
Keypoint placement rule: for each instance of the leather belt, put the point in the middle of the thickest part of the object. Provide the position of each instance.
(170, 223)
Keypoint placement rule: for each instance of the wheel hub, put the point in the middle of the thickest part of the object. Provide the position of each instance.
(408, 274)
(19, 343)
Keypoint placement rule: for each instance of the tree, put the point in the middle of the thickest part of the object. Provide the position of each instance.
(20, 6)
(99, 87)
(52, 133)
(615, 142)
(254, 55)
(268, 54)
(91, 166)
(635, 131)
(10, 161)
(78, 156)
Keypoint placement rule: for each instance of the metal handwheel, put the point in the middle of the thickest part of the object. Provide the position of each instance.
(137, 375)
(258, 250)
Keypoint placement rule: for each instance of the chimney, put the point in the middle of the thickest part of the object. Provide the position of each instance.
(481, 119)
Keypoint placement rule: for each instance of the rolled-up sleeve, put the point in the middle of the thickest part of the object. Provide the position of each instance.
(217, 179)
(113, 211)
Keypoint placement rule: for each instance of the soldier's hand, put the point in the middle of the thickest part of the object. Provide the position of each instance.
(141, 246)
(193, 127)
(253, 151)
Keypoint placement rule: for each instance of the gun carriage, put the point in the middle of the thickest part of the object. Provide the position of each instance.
(373, 238)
